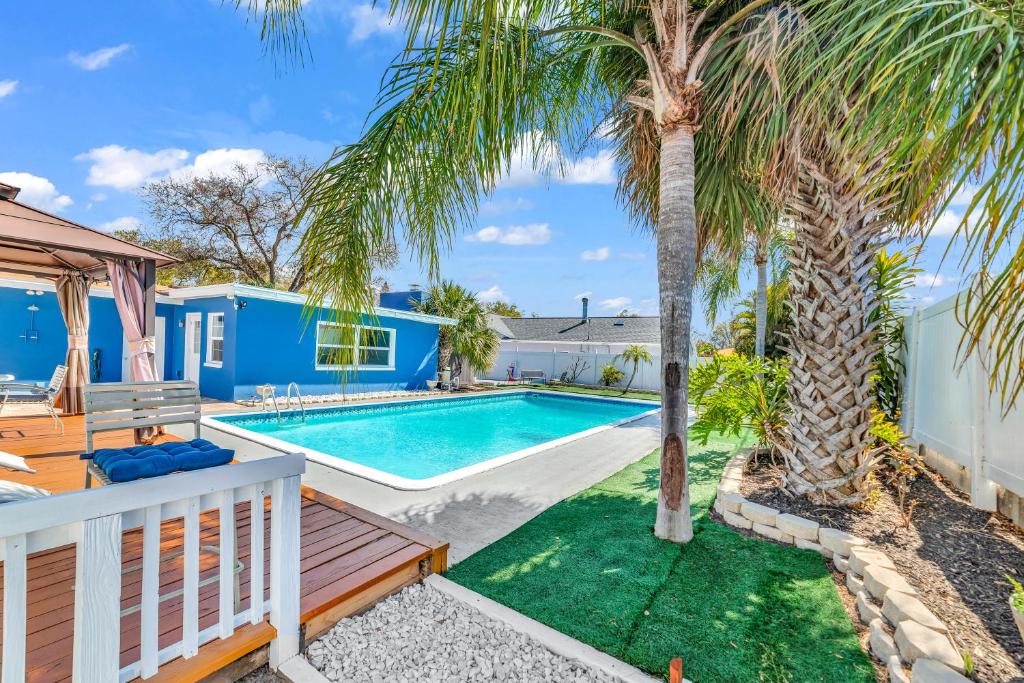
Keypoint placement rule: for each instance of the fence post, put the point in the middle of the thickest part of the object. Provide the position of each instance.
(909, 407)
(983, 490)
(285, 502)
(97, 641)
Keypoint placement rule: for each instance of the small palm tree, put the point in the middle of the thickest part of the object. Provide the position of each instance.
(635, 354)
(470, 339)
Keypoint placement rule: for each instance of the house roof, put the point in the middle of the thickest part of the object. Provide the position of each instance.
(33, 242)
(252, 292)
(605, 330)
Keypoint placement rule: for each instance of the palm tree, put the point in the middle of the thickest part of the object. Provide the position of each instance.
(719, 273)
(635, 354)
(745, 325)
(494, 83)
(470, 339)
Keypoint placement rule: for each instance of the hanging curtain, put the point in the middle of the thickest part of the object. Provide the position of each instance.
(73, 297)
(126, 280)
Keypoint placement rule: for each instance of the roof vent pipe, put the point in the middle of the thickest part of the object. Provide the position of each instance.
(586, 301)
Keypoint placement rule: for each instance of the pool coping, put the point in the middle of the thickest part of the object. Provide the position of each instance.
(404, 483)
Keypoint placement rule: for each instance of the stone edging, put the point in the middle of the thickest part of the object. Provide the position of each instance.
(903, 632)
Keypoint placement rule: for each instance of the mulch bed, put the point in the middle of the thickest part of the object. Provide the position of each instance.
(956, 556)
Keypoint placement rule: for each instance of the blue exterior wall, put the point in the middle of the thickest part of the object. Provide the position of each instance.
(266, 342)
(215, 382)
(400, 301)
(275, 345)
(34, 362)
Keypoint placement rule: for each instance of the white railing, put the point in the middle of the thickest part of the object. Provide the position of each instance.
(94, 520)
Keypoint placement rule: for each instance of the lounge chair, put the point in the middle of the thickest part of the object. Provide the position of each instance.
(34, 395)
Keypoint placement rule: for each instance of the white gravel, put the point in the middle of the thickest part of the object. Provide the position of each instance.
(422, 634)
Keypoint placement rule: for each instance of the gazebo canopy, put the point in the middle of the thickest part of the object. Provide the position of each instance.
(33, 242)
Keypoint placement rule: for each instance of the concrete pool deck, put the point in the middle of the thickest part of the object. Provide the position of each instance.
(474, 512)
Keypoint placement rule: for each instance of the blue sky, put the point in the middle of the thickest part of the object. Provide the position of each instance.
(98, 98)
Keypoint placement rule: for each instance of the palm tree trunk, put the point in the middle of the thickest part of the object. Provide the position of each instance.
(827, 446)
(761, 303)
(677, 244)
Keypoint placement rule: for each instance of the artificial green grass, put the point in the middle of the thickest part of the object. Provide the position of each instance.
(735, 608)
(596, 391)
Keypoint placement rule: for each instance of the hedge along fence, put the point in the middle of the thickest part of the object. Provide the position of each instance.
(950, 414)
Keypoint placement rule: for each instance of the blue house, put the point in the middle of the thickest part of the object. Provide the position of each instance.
(229, 339)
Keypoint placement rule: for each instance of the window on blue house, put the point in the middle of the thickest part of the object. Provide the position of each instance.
(215, 340)
(338, 347)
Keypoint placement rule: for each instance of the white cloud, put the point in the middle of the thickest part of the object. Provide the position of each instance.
(122, 223)
(595, 170)
(98, 197)
(513, 235)
(931, 280)
(36, 191)
(632, 255)
(222, 161)
(536, 158)
(369, 19)
(616, 303)
(927, 300)
(125, 169)
(599, 254)
(7, 88)
(98, 59)
(582, 295)
(964, 195)
(949, 222)
(489, 296)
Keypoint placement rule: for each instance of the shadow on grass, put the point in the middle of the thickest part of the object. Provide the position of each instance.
(736, 609)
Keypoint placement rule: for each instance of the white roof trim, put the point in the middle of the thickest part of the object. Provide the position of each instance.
(232, 290)
(101, 292)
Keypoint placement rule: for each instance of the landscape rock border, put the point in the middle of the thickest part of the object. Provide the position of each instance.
(904, 634)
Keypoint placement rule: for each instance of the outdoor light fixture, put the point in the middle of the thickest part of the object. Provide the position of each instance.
(240, 304)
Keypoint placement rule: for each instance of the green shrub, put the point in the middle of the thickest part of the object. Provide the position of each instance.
(1018, 593)
(611, 375)
(705, 348)
(733, 393)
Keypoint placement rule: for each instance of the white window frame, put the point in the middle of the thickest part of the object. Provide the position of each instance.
(392, 336)
(210, 339)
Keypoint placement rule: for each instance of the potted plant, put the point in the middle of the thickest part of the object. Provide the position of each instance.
(1017, 603)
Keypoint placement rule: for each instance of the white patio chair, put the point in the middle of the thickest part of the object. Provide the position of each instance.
(33, 395)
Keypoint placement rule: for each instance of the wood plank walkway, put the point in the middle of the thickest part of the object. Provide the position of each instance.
(350, 558)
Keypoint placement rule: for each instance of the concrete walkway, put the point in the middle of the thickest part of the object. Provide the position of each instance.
(474, 512)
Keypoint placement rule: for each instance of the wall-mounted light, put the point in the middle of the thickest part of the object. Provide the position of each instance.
(34, 292)
(240, 304)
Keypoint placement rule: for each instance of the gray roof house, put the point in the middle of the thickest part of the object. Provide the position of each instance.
(580, 329)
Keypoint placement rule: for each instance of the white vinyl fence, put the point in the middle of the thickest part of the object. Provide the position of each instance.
(93, 520)
(555, 358)
(948, 407)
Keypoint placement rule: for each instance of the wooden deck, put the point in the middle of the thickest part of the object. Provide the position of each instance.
(350, 558)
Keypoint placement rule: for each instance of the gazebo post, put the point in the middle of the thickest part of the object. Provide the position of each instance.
(149, 288)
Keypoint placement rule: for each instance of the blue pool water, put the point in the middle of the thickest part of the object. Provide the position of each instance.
(423, 439)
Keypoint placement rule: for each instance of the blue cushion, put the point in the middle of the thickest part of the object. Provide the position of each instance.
(141, 462)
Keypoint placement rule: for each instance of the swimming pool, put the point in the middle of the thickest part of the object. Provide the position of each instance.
(424, 443)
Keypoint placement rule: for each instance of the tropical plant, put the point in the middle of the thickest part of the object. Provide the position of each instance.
(481, 86)
(733, 393)
(636, 355)
(722, 336)
(1017, 595)
(574, 370)
(891, 275)
(943, 110)
(611, 375)
(776, 326)
(704, 348)
(720, 271)
(470, 338)
(900, 466)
